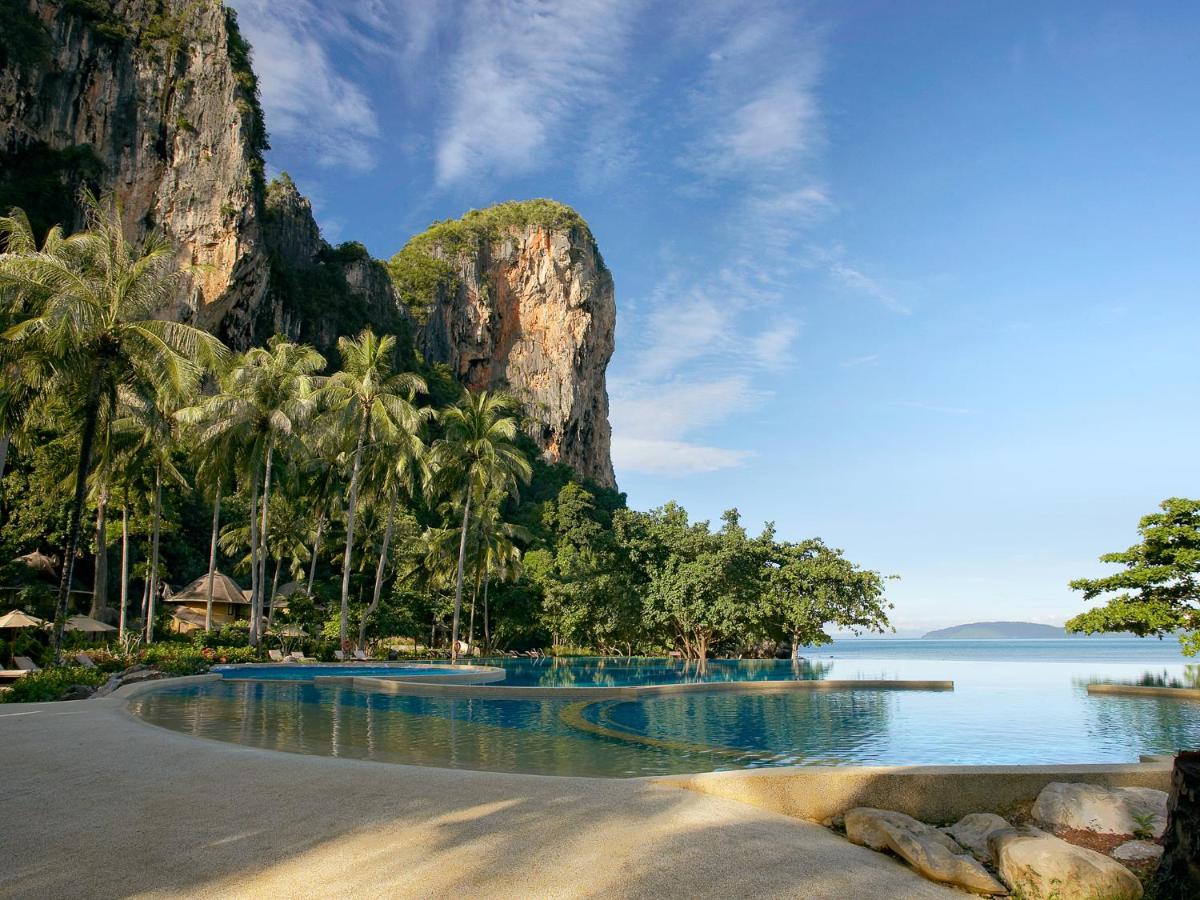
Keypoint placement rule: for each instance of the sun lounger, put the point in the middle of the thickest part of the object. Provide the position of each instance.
(339, 655)
(276, 656)
(361, 656)
(298, 657)
(25, 664)
(84, 660)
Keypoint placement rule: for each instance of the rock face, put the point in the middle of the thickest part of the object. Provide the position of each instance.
(1041, 865)
(531, 310)
(929, 851)
(160, 96)
(155, 101)
(1093, 807)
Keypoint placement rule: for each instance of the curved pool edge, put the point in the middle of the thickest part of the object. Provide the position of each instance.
(442, 687)
(928, 793)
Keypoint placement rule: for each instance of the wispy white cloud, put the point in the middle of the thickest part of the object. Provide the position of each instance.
(662, 457)
(852, 278)
(304, 96)
(860, 361)
(522, 77)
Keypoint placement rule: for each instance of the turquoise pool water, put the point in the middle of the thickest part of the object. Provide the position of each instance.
(1007, 708)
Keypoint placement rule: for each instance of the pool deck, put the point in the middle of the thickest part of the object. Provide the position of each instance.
(99, 804)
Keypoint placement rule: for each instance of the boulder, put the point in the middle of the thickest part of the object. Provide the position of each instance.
(936, 863)
(972, 833)
(1038, 864)
(1093, 807)
(132, 675)
(863, 826)
(1138, 852)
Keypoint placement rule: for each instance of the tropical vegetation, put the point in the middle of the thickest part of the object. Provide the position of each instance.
(366, 501)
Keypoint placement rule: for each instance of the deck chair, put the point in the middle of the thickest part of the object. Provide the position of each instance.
(25, 664)
(339, 655)
(361, 656)
(275, 656)
(298, 657)
(84, 660)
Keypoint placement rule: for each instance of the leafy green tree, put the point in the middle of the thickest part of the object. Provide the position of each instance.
(371, 401)
(477, 456)
(1158, 591)
(93, 299)
(812, 586)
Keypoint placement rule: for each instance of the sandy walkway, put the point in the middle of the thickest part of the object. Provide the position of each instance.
(96, 804)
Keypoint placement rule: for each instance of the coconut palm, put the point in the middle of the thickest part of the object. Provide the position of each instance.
(496, 554)
(477, 457)
(266, 396)
(371, 401)
(94, 296)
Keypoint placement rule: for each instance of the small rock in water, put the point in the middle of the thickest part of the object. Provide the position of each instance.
(1041, 865)
(1093, 807)
(1138, 851)
(972, 832)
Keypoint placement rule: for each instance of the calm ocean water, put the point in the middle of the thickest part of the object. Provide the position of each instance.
(1082, 649)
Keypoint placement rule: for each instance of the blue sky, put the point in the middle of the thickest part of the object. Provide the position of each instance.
(920, 278)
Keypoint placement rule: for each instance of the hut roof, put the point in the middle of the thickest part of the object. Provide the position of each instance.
(225, 590)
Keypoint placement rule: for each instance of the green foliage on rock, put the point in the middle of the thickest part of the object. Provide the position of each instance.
(1158, 590)
(250, 103)
(424, 269)
(23, 40)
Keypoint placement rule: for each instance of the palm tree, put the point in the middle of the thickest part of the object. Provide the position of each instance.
(496, 553)
(217, 456)
(266, 396)
(477, 457)
(94, 299)
(371, 401)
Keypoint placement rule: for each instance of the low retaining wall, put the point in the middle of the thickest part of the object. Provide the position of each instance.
(442, 687)
(928, 793)
(1137, 690)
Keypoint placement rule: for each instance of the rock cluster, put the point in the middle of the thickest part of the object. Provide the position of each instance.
(133, 675)
(1031, 861)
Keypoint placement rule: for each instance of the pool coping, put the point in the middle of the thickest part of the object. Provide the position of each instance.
(1140, 690)
(416, 686)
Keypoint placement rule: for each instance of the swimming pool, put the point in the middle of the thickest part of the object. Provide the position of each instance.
(1001, 711)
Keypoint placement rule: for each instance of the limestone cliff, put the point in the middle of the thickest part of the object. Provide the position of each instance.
(156, 101)
(517, 297)
(158, 97)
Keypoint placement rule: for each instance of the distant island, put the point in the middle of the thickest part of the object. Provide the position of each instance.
(983, 631)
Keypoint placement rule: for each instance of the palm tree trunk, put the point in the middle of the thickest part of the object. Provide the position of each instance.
(124, 569)
(100, 582)
(474, 598)
(264, 545)
(344, 622)
(458, 585)
(4, 439)
(253, 555)
(154, 553)
(487, 635)
(312, 569)
(212, 558)
(271, 598)
(379, 570)
(91, 413)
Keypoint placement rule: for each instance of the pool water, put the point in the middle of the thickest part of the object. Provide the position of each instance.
(1010, 708)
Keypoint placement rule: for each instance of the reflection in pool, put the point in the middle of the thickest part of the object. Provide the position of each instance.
(999, 713)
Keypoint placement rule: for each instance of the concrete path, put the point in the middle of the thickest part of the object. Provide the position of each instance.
(94, 803)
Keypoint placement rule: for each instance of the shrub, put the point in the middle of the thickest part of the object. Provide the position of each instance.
(49, 684)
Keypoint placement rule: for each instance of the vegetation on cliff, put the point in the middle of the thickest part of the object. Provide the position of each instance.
(424, 270)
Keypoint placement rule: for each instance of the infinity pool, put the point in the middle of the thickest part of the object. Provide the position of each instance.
(1002, 711)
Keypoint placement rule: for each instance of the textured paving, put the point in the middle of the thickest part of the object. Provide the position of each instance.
(97, 804)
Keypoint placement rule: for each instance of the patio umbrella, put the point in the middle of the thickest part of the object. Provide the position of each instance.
(15, 619)
(88, 624)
